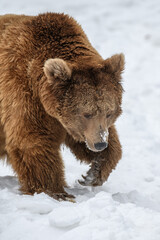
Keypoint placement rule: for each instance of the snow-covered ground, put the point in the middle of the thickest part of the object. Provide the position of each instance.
(127, 206)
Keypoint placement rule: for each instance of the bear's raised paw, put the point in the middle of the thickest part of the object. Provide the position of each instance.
(93, 177)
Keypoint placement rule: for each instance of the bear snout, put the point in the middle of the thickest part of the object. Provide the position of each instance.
(100, 146)
(96, 146)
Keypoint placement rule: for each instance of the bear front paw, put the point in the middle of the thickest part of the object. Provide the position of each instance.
(93, 177)
(64, 196)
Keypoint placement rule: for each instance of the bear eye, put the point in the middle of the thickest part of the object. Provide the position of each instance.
(88, 116)
(108, 115)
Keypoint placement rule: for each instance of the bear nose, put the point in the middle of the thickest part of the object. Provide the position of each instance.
(100, 146)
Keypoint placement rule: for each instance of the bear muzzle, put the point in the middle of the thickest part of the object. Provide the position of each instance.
(100, 146)
(99, 143)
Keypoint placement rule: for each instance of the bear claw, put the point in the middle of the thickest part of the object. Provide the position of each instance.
(93, 183)
(65, 197)
(62, 196)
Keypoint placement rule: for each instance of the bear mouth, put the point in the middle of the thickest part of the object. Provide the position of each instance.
(91, 149)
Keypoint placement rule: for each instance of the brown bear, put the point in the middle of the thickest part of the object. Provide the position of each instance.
(56, 89)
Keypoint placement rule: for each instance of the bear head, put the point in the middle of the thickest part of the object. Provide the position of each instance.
(84, 96)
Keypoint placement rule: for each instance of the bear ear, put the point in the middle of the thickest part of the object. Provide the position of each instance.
(115, 64)
(57, 68)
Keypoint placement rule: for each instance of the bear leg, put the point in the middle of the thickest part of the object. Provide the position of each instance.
(39, 167)
(101, 163)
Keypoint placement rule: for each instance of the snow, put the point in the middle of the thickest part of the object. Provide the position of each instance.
(127, 205)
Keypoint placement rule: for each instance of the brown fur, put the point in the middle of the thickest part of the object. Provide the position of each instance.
(2, 142)
(55, 88)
